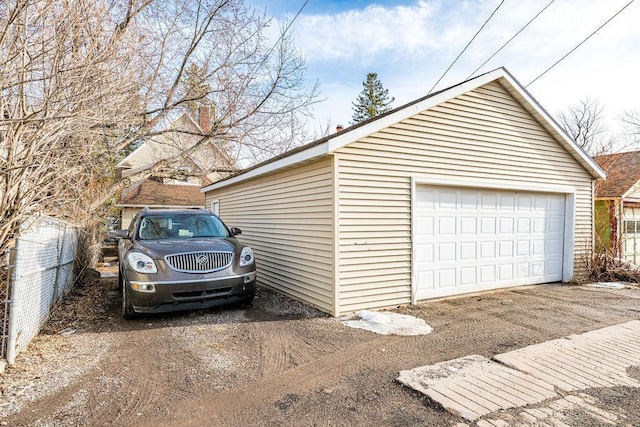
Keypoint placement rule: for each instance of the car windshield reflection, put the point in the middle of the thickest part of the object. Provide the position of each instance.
(168, 227)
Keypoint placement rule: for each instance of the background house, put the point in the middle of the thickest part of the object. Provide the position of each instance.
(469, 189)
(181, 172)
(617, 206)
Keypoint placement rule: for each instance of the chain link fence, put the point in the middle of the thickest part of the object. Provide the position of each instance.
(40, 271)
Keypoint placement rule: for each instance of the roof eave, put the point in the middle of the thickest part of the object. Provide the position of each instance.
(339, 140)
(143, 205)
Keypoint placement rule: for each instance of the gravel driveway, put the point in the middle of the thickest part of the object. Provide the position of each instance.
(279, 362)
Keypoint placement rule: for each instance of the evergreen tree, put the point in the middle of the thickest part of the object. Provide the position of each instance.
(372, 101)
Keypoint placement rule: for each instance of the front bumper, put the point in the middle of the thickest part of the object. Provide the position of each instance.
(191, 294)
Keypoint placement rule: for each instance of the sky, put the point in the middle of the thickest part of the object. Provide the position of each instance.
(410, 44)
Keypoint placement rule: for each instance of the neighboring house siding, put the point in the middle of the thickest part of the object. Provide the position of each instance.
(127, 217)
(484, 135)
(287, 218)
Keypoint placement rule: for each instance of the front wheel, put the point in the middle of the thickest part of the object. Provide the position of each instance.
(127, 309)
(246, 301)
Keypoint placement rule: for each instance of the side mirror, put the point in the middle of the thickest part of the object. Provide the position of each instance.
(235, 231)
(121, 234)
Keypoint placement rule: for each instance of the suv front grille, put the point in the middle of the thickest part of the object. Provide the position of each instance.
(199, 262)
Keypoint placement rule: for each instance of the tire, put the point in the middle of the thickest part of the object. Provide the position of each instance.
(120, 282)
(245, 302)
(128, 312)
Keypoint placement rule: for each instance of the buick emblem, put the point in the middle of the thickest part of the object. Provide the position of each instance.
(202, 260)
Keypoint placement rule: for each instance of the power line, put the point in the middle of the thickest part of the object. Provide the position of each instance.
(579, 44)
(284, 32)
(509, 41)
(288, 26)
(465, 48)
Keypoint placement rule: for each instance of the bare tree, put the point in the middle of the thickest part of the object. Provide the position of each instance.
(584, 123)
(83, 80)
(58, 89)
(631, 122)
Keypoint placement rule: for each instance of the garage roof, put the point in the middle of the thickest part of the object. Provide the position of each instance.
(336, 141)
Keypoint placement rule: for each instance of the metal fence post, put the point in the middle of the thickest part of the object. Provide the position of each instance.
(12, 302)
(60, 248)
(11, 254)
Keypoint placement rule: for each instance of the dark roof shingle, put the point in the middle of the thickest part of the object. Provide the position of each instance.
(623, 172)
(153, 193)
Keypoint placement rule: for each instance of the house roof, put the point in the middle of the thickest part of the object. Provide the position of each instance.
(338, 140)
(181, 135)
(623, 173)
(152, 193)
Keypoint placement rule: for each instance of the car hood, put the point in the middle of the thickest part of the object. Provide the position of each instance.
(161, 248)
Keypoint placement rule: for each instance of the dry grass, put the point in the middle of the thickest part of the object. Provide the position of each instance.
(604, 267)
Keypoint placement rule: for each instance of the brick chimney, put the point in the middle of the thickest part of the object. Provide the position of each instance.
(204, 118)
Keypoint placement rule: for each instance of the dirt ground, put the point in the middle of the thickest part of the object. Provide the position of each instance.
(278, 362)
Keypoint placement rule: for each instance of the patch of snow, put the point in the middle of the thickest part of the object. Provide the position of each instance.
(610, 285)
(387, 323)
(108, 274)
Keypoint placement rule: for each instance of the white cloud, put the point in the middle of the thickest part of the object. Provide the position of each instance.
(410, 47)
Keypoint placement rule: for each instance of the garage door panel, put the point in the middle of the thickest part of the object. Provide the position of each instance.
(447, 200)
(447, 278)
(507, 202)
(524, 225)
(487, 225)
(475, 239)
(522, 247)
(506, 225)
(488, 250)
(538, 247)
(468, 251)
(468, 225)
(469, 200)
(446, 252)
(425, 225)
(524, 203)
(554, 247)
(489, 201)
(447, 226)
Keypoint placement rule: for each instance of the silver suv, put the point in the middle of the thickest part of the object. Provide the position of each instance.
(188, 259)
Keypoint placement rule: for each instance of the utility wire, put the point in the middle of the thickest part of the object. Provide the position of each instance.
(509, 41)
(284, 32)
(288, 26)
(579, 44)
(465, 48)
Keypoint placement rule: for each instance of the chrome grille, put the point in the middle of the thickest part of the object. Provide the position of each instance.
(199, 262)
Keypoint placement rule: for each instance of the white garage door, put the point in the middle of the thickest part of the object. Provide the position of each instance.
(469, 240)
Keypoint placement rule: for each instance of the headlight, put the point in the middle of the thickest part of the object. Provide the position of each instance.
(141, 263)
(246, 256)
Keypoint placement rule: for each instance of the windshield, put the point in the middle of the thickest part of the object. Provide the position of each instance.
(180, 226)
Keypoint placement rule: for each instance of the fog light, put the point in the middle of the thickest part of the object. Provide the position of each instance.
(249, 277)
(143, 287)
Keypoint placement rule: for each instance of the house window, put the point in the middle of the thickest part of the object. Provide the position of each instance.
(632, 227)
(215, 207)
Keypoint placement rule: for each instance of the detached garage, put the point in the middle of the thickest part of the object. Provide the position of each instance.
(469, 189)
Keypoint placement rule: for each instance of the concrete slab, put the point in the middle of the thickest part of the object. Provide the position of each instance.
(578, 362)
(556, 413)
(474, 386)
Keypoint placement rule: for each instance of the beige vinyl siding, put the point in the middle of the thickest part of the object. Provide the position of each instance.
(287, 218)
(484, 135)
(127, 216)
